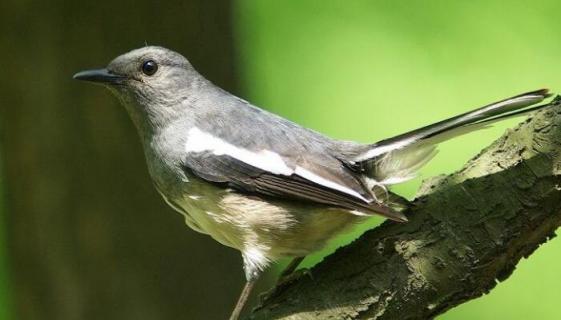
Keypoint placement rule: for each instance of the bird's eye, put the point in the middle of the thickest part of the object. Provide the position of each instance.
(149, 67)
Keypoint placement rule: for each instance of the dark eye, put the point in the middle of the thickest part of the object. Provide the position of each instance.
(149, 67)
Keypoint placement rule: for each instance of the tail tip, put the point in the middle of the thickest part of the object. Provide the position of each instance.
(545, 93)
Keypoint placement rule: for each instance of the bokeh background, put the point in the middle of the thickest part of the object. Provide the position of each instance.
(83, 235)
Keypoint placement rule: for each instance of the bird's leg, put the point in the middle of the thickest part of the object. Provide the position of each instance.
(287, 276)
(243, 299)
(290, 268)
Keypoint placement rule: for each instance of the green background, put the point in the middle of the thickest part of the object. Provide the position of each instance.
(358, 70)
(367, 70)
(5, 301)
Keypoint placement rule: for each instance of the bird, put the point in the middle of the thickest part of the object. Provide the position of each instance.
(260, 183)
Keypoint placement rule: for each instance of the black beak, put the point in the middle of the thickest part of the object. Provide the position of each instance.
(100, 76)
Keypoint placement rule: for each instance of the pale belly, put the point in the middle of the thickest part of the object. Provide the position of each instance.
(274, 228)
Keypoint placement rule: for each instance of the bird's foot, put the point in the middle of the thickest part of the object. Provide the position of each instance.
(286, 279)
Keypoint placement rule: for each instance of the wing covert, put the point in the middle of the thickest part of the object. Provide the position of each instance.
(318, 183)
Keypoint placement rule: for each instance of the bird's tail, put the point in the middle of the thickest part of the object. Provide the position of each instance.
(398, 159)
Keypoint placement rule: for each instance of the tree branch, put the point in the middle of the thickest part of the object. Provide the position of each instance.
(466, 231)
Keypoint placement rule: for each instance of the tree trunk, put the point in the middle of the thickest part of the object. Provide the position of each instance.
(88, 236)
(467, 231)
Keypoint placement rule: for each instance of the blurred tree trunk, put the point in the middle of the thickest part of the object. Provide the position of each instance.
(88, 237)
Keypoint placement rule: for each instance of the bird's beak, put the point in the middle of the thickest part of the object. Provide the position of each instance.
(100, 75)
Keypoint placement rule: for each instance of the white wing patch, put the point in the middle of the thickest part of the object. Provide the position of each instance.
(199, 141)
(306, 174)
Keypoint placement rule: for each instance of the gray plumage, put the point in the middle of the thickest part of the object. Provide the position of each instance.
(255, 181)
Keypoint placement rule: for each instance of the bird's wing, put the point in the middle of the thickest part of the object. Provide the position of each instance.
(398, 158)
(268, 173)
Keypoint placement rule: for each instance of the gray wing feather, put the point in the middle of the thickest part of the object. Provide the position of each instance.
(242, 177)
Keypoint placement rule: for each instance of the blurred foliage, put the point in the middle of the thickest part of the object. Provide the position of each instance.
(367, 70)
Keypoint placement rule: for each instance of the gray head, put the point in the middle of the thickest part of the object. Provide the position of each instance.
(150, 81)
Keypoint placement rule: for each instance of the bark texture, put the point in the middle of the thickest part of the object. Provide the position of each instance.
(467, 231)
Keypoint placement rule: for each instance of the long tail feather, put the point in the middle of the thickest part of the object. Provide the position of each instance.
(400, 157)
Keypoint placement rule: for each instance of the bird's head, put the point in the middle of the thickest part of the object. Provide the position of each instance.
(150, 81)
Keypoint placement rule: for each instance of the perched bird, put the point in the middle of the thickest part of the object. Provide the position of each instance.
(260, 183)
